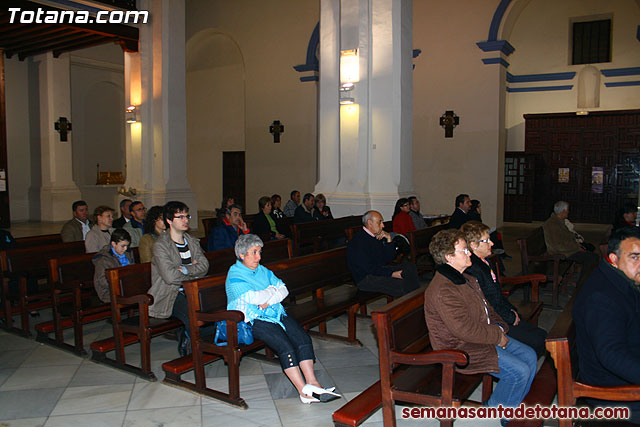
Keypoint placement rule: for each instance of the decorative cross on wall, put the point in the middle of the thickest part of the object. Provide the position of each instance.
(276, 129)
(63, 126)
(448, 121)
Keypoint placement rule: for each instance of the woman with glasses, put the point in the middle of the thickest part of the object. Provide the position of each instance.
(402, 221)
(459, 317)
(477, 237)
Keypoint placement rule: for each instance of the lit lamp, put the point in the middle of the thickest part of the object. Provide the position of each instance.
(131, 114)
(349, 74)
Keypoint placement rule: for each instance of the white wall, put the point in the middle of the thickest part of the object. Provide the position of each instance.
(541, 37)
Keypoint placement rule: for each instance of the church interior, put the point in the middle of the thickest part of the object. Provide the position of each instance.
(518, 103)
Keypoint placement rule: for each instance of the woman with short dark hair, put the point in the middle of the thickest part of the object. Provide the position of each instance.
(402, 222)
(263, 223)
(153, 227)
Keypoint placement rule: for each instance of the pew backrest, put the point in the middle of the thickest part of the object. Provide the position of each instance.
(318, 232)
(30, 241)
(273, 250)
(33, 261)
(65, 273)
(130, 280)
(419, 240)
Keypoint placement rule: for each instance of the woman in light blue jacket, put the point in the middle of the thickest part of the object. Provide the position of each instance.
(257, 293)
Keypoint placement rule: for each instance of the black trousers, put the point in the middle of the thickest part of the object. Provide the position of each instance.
(391, 285)
(181, 312)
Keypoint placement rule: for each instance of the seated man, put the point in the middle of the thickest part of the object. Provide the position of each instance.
(368, 255)
(416, 216)
(135, 226)
(460, 214)
(224, 235)
(76, 228)
(560, 240)
(292, 204)
(125, 214)
(304, 212)
(607, 318)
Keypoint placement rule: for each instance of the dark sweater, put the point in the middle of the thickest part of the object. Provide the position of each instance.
(368, 255)
(458, 217)
(261, 225)
(491, 290)
(607, 317)
(302, 215)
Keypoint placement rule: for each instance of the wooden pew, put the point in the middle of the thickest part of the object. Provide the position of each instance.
(273, 250)
(72, 276)
(351, 231)
(129, 286)
(561, 344)
(31, 241)
(313, 274)
(419, 242)
(24, 264)
(315, 236)
(536, 260)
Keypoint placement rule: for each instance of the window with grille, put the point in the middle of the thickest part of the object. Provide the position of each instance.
(591, 42)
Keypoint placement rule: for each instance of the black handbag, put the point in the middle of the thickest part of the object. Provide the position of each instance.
(245, 335)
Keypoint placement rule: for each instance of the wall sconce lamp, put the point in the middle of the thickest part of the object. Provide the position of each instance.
(132, 114)
(349, 66)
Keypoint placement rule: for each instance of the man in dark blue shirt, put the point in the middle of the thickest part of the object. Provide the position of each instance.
(368, 256)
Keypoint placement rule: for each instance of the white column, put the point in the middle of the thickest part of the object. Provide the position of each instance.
(157, 148)
(58, 190)
(365, 148)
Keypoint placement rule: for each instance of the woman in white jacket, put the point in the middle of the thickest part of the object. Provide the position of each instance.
(257, 293)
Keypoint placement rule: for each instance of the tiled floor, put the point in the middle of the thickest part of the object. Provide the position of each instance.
(41, 385)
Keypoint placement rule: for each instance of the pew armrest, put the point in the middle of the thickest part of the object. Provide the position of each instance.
(455, 357)
(143, 301)
(534, 279)
(625, 393)
(216, 316)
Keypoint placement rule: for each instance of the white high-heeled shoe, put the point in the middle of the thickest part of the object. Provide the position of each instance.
(319, 394)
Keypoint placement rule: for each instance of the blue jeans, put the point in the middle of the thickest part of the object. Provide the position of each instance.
(517, 365)
(292, 346)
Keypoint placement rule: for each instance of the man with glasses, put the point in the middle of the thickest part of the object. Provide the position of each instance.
(135, 226)
(368, 256)
(607, 318)
(176, 257)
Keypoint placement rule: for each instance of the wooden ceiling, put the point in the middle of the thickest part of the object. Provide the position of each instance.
(26, 40)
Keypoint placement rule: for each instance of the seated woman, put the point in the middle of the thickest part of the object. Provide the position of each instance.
(476, 235)
(113, 255)
(154, 226)
(100, 234)
(626, 217)
(322, 211)
(459, 317)
(263, 222)
(276, 212)
(402, 222)
(257, 293)
(475, 214)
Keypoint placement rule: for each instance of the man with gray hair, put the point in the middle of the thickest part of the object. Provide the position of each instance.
(368, 256)
(560, 240)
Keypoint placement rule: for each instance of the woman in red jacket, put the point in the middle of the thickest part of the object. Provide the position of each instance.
(402, 222)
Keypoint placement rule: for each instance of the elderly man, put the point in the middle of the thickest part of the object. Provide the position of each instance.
(560, 240)
(292, 204)
(304, 212)
(125, 214)
(459, 215)
(607, 318)
(76, 228)
(224, 235)
(414, 213)
(368, 256)
(135, 226)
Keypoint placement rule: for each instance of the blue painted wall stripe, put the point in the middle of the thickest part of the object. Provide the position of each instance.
(497, 45)
(309, 79)
(497, 19)
(511, 78)
(618, 84)
(539, 89)
(616, 72)
(495, 61)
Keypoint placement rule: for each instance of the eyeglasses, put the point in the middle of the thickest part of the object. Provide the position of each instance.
(140, 209)
(182, 217)
(464, 251)
(484, 241)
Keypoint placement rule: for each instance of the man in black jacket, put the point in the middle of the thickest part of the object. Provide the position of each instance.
(607, 318)
(459, 215)
(368, 256)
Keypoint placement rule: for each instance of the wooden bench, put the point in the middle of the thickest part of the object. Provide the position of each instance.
(536, 260)
(129, 286)
(316, 236)
(419, 243)
(561, 344)
(308, 274)
(273, 250)
(24, 265)
(31, 241)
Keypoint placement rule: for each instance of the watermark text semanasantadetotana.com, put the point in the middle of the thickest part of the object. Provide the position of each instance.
(42, 16)
(522, 412)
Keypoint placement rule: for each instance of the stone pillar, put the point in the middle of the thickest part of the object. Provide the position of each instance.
(365, 148)
(157, 147)
(58, 190)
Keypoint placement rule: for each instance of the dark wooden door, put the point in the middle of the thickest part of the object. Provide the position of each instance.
(518, 186)
(233, 178)
(582, 145)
